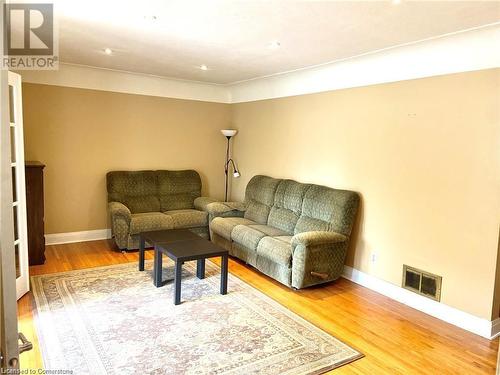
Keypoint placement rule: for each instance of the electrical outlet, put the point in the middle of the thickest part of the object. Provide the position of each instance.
(374, 257)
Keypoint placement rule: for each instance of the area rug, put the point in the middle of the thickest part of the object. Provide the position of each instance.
(112, 320)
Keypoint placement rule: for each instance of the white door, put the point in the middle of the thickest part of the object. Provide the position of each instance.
(18, 185)
(9, 353)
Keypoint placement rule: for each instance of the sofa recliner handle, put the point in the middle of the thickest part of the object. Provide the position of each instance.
(321, 275)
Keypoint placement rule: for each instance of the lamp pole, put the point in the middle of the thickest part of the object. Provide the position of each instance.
(229, 133)
(226, 167)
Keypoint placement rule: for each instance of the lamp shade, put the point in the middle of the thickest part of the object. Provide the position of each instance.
(229, 132)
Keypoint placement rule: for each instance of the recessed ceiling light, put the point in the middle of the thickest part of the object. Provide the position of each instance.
(396, 2)
(274, 44)
(203, 67)
(108, 51)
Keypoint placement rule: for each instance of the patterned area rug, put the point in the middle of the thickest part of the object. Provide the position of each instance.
(112, 320)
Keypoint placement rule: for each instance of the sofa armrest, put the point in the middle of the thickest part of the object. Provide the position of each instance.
(316, 238)
(117, 209)
(201, 203)
(317, 257)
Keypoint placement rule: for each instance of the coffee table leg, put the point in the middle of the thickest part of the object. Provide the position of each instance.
(223, 275)
(177, 282)
(142, 244)
(200, 268)
(157, 271)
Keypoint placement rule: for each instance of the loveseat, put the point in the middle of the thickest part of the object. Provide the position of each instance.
(296, 233)
(140, 201)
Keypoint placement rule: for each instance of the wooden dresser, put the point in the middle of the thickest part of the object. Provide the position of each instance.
(35, 212)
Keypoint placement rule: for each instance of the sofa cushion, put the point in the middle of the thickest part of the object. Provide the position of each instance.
(250, 235)
(259, 198)
(147, 221)
(276, 249)
(223, 226)
(178, 189)
(287, 205)
(135, 189)
(268, 230)
(144, 204)
(188, 218)
(287, 239)
(247, 236)
(308, 224)
(327, 209)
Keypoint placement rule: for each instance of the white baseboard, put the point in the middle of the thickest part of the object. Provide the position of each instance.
(495, 328)
(469, 322)
(70, 237)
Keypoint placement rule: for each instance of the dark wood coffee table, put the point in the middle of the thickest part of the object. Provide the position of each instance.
(180, 246)
(165, 236)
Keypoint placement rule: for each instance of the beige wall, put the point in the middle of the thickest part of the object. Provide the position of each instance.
(425, 156)
(82, 134)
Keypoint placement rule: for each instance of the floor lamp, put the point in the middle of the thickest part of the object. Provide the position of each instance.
(229, 133)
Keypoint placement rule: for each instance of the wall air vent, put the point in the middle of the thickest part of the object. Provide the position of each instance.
(422, 282)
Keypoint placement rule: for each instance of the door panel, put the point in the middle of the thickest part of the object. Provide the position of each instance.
(18, 184)
(8, 308)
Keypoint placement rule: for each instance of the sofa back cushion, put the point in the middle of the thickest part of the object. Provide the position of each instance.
(177, 190)
(327, 209)
(259, 198)
(287, 205)
(135, 189)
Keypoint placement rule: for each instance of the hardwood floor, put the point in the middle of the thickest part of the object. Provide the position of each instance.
(394, 338)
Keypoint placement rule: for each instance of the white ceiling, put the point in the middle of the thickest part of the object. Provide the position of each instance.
(232, 37)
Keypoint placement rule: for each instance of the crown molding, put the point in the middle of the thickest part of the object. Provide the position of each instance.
(464, 51)
(93, 78)
(470, 50)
